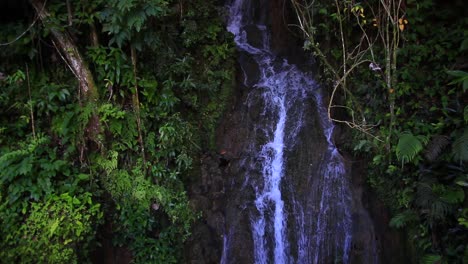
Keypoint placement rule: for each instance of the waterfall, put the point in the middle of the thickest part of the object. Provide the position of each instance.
(285, 227)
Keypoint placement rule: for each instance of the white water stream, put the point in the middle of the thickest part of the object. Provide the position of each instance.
(320, 235)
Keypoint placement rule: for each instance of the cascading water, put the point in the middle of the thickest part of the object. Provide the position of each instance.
(285, 226)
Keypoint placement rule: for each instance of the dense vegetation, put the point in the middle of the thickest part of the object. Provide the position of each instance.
(398, 75)
(105, 106)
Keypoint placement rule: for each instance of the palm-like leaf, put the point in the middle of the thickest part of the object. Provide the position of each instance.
(408, 147)
(435, 147)
(402, 219)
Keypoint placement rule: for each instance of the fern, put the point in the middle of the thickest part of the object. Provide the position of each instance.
(424, 195)
(439, 210)
(431, 259)
(402, 219)
(436, 201)
(453, 195)
(408, 147)
(118, 184)
(435, 147)
(460, 147)
(110, 163)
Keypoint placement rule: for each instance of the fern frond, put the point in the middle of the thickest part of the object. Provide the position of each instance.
(453, 195)
(431, 259)
(435, 147)
(439, 210)
(424, 195)
(460, 147)
(408, 147)
(402, 219)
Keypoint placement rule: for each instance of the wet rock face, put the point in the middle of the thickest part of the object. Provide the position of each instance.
(225, 207)
(207, 196)
(391, 244)
(223, 194)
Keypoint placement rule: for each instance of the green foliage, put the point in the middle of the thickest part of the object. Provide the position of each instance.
(39, 225)
(402, 219)
(431, 259)
(112, 67)
(127, 20)
(461, 78)
(463, 218)
(426, 99)
(164, 72)
(436, 147)
(408, 147)
(54, 229)
(28, 172)
(460, 147)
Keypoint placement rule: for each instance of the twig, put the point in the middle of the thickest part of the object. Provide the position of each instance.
(70, 15)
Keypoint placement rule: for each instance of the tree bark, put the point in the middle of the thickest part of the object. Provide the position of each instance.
(70, 52)
(72, 57)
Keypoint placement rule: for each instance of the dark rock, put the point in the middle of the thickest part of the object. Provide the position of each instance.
(207, 196)
(200, 203)
(215, 220)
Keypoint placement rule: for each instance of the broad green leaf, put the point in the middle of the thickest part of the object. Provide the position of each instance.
(453, 195)
(83, 177)
(457, 73)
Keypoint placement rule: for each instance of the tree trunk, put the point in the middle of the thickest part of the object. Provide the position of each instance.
(72, 57)
(70, 52)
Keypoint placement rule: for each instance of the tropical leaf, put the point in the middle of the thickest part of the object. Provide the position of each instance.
(408, 147)
(435, 201)
(462, 181)
(431, 259)
(460, 147)
(453, 195)
(424, 195)
(402, 219)
(435, 147)
(439, 210)
(461, 78)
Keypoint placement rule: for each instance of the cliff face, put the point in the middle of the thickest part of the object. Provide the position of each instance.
(222, 192)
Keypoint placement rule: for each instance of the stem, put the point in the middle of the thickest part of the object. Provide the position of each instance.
(70, 15)
(343, 44)
(31, 112)
(94, 35)
(340, 82)
(388, 70)
(136, 105)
